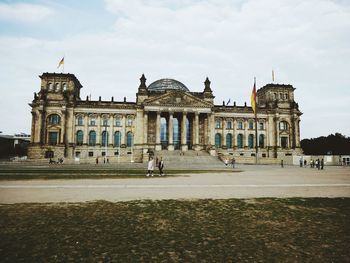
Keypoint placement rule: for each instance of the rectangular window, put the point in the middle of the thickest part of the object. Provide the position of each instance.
(261, 125)
(92, 122)
(129, 122)
(91, 154)
(103, 153)
(118, 123)
(284, 142)
(53, 138)
(217, 124)
(105, 122)
(116, 153)
(229, 125)
(251, 125)
(240, 125)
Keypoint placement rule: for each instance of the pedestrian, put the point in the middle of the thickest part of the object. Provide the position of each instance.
(107, 160)
(104, 160)
(312, 163)
(322, 164)
(233, 162)
(281, 163)
(161, 166)
(305, 163)
(150, 167)
(96, 160)
(301, 162)
(318, 164)
(226, 162)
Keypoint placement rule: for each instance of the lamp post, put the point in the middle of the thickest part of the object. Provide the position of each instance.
(106, 138)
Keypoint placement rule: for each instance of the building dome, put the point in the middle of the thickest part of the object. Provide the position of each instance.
(167, 84)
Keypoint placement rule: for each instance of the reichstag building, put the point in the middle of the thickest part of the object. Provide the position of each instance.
(166, 116)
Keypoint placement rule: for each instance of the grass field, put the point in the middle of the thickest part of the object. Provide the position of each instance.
(234, 230)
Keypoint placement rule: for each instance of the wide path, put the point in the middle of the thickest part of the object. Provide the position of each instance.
(254, 181)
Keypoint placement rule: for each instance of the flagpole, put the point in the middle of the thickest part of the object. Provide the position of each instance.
(256, 129)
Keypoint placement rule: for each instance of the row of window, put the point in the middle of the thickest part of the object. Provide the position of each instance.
(57, 86)
(105, 121)
(282, 96)
(283, 125)
(239, 140)
(56, 119)
(104, 138)
(251, 139)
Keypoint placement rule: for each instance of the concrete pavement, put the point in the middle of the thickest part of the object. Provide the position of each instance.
(254, 181)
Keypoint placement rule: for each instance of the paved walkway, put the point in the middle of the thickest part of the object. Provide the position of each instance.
(254, 181)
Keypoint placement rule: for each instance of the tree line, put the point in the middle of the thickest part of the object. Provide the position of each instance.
(334, 144)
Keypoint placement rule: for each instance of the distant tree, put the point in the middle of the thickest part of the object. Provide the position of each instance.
(336, 144)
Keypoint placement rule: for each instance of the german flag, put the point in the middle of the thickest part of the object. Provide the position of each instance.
(253, 98)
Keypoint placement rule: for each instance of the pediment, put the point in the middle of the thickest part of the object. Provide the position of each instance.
(177, 98)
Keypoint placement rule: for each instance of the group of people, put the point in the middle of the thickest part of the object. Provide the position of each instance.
(155, 162)
(232, 162)
(59, 161)
(319, 164)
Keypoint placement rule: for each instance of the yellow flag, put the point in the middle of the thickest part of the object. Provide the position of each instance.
(61, 62)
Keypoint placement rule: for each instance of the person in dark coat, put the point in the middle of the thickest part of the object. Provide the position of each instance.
(161, 166)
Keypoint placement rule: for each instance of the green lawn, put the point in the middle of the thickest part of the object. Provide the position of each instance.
(234, 230)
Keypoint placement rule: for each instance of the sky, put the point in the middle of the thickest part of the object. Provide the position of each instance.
(109, 44)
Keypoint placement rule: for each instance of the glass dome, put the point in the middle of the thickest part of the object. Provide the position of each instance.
(167, 84)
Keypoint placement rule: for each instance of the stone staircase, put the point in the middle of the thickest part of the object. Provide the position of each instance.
(189, 160)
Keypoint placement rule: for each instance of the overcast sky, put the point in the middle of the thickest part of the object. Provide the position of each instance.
(109, 44)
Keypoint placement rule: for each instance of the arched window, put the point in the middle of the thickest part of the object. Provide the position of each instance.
(283, 125)
(117, 138)
(50, 86)
(229, 140)
(57, 86)
(80, 121)
(251, 141)
(240, 140)
(261, 141)
(54, 119)
(104, 138)
(130, 139)
(218, 140)
(92, 138)
(80, 138)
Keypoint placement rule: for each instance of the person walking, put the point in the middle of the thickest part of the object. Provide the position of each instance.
(281, 163)
(233, 162)
(161, 166)
(150, 167)
(322, 164)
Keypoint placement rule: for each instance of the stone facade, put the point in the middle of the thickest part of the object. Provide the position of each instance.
(166, 115)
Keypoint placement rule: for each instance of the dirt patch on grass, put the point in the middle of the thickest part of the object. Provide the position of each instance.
(254, 230)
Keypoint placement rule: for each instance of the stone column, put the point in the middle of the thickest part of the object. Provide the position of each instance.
(184, 146)
(123, 135)
(86, 129)
(158, 145)
(223, 142)
(110, 130)
(171, 132)
(145, 128)
(245, 134)
(234, 134)
(98, 133)
(196, 131)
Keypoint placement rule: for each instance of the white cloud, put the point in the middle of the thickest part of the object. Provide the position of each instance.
(305, 41)
(22, 12)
